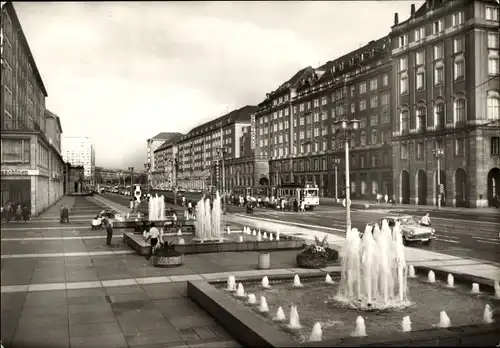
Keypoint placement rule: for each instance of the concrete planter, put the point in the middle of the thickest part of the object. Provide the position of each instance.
(167, 261)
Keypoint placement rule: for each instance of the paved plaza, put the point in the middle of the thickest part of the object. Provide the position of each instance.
(63, 287)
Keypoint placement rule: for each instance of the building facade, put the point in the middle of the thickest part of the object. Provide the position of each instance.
(202, 146)
(165, 159)
(153, 144)
(445, 63)
(79, 151)
(32, 165)
(74, 179)
(296, 124)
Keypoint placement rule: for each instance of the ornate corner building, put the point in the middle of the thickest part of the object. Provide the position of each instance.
(445, 65)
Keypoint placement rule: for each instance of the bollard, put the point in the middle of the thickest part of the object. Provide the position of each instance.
(264, 261)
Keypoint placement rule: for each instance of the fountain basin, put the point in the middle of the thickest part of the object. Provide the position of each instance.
(167, 261)
(231, 243)
(338, 321)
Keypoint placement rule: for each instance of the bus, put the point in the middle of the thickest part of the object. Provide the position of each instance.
(308, 193)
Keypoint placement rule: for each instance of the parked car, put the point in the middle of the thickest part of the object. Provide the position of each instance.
(411, 229)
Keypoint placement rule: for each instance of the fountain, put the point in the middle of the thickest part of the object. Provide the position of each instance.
(265, 282)
(264, 235)
(328, 279)
(208, 221)
(181, 241)
(406, 324)
(488, 314)
(263, 308)
(179, 233)
(497, 289)
(475, 288)
(296, 281)
(360, 330)
(228, 230)
(278, 235)
(294, 323)
(280, 315)
(240, 292)
(271, 238)
(254, 233)
(156, 208)
(259, 237)
(316, 333)
(231, 283)
(451, 281)
(251, 299)
(373, 269)
(431, 277)
(240, 239)
(444, 320)
(411, 272)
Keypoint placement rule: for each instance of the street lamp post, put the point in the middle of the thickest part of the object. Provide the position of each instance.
(131, 170)
(336, 162)
(439, 153)
(347, 128)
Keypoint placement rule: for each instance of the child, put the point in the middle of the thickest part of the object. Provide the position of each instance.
(96, 223)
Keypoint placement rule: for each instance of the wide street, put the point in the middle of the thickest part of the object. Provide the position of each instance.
(471, 234)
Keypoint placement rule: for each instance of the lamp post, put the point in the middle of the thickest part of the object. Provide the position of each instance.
(347, 128)
(147, 167)
(438, 153)
(336, 163)
(221, 151)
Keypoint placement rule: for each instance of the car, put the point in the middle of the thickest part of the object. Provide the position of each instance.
(411, 229)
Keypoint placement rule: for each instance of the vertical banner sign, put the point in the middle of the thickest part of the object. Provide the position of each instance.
(217, 174)
(252, 131)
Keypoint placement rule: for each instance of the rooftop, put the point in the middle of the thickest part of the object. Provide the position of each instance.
(165, 136)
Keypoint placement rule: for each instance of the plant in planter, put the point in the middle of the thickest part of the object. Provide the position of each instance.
(333, 254)
(312, 256)
(165, 255)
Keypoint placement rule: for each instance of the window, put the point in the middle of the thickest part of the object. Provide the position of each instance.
(302, 121)
(459, 44)
(301, 107)
(308, 105)
(374, 139)
(459, 147)
(492, 13)
(362, 87)
(373, 84)
(353, 108)
(420, 118)
(353, 91)
(403, 84)
(403, 64)
(362, 122)
(420, 150)
(459, 111)
(403, 119)
(373, 120)
(493, 40)
(363, 139)
(438, 51)
(403, 40)
(316, 103)
(439, 120)
(385, 118)
(15, 151)
(385, 79)
(384, 99)
(420, 57)
(286, 112)
(404, 151)
(420, 80)
(493, 62)
(324, 100)
(459, 68)
(374, 101)
(362, 105)
(458, 18)
(316, 117)
(437, 27)
(419, 34)
(493, 104)
(438, 75)
(495, 145)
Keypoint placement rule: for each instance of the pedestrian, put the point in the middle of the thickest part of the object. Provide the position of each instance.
(190, 208)
(425, 220)
(183, 200)
(131, 205)
(386, 198)
(153, 236)
(109, 231)
(302, 206)
(393, 199)
(19, 213)
(26, 214)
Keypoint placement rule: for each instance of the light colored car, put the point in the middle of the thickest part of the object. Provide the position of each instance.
(411, 229)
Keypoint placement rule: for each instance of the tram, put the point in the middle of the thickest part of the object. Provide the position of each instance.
(301, 192)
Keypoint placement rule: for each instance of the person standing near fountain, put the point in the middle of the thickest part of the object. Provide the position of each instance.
(190, 209)
(109, 230)
(154, 234)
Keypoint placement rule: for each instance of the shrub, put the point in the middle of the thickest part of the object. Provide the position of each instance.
(166, 249)
(333, 254)
(312, 256)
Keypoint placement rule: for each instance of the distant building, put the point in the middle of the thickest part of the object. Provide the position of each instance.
(155, 142)
(31, 163)
(445, 60)
(165, 163)
(74, 179)
(79, 151)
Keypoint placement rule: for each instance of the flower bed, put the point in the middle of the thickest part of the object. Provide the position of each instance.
(316, 255)
(165, 255)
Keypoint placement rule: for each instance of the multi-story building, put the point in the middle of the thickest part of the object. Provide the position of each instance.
(155, 142)
(165, 163)
(110, 176)
(31, 163)
(79, 151)
(74, 179)
(198, 149)
(446, 93)
(296, 124)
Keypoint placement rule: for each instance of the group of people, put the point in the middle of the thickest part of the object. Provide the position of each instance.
(386, 198)
(280, 203)
(101, 221)
(17, 212)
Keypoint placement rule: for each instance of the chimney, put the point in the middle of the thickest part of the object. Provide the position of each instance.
(412, 10)
(396, 20)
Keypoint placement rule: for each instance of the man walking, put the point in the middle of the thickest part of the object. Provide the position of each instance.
(109, 231)
(154, 234)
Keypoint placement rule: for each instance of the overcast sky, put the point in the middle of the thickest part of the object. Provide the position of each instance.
(123, 72)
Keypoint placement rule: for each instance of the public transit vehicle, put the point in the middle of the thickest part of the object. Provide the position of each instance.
(308, 193)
